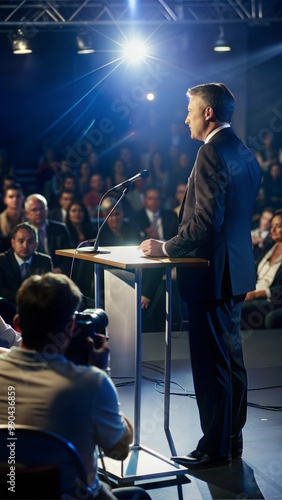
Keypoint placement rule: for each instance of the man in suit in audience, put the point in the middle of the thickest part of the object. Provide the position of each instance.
(17, 264)
(13, 213)
(159, 223)
(65, 200)
(153, 220)
(52, 235)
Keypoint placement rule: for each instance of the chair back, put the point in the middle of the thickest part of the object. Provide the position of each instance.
(31, 447)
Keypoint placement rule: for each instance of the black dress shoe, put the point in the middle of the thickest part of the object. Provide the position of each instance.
(198, 460)
(237, 445)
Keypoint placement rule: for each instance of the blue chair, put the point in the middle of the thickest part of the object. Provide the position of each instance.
(45, 456)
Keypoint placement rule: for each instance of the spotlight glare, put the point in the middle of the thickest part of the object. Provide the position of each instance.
(135, 51)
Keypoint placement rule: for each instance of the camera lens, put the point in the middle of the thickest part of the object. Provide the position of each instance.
(98, 318)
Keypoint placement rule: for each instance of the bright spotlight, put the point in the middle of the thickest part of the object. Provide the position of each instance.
(135, 51)
(150, 96)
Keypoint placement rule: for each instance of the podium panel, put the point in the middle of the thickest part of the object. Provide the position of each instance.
(120, 309)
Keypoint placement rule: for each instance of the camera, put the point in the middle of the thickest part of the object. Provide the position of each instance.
(88, 323)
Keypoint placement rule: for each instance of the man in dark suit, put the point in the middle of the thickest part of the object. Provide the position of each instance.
(65, 200)
(52, 235)
(154, 222)
(215, 224)
(17, 264)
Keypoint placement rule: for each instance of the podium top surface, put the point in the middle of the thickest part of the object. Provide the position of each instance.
(129, 257)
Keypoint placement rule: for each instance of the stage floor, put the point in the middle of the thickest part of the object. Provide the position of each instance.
(259, 473)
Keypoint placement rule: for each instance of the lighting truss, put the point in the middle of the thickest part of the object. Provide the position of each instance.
(68, 14)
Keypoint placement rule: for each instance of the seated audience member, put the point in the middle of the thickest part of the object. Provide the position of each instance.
(84, 172)
(14, 211)
(92, 198)
(127, 155)
(94, 163)
(52, 235)
(261, 234)
(53, 186)
(118, 173)
(179, 193)
(150, 147)
(153, 220)
(267, 295)
(117, 231)
(81, 229)
(79, 223)
(4, 183)
(47, 167)
(267, 154)
(180, 173)
(272, 186)
(64, 179)
(17, 264)
(158, 223)
(159, 176)
(79, 403)
(162, 224)
(8, 336)
(65, 199)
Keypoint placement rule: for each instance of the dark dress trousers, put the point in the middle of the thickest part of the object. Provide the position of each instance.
(215, 224)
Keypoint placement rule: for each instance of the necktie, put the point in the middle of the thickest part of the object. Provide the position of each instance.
(154, 222)
(25, 271)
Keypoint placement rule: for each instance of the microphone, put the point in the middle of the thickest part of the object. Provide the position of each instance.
(95, 249)
(142, 175)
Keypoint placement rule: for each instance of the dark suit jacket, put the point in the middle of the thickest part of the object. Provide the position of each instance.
(10, 276)
(56, 214)
(168, 217)
(215, 220)
(58, 238)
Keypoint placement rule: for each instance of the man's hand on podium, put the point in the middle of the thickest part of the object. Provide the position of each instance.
(152, 247)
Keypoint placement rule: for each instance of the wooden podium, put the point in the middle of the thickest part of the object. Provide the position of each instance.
(142, 463)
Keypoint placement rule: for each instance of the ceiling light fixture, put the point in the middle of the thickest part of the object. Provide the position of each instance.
(84, 44)
(221, 44)
(20, 44)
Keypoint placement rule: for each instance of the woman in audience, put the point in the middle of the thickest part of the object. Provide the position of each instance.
(81, 229)
(158, 174)
(79, 223)
(118, 173)
(267, 297)
(84, 173)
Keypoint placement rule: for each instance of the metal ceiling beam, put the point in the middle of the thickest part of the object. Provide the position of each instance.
(73, 13)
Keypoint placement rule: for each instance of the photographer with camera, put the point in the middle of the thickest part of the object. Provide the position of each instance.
(77, 402)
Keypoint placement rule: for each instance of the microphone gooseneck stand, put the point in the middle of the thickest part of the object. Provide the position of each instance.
(94, 248)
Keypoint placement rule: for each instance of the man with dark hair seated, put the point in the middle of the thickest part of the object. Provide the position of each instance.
(16, 264)
(79, 403)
